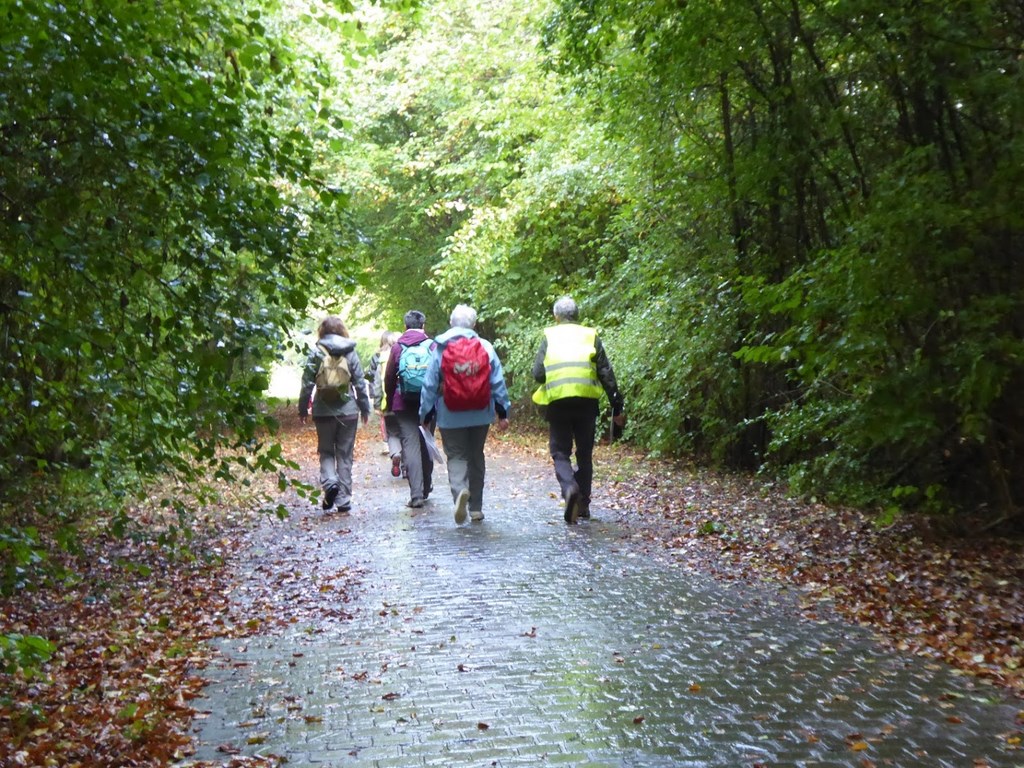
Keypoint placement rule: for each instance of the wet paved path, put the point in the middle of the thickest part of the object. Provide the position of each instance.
(523, 641)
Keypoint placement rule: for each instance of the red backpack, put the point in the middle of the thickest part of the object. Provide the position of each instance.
(466, 375)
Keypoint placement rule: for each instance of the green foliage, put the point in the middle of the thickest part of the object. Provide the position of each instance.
(21, 553)
(448, 118)
(24, 653)
(164, 213)
(797, 227)
(848, 174)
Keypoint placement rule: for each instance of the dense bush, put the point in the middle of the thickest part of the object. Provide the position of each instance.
(158, 200)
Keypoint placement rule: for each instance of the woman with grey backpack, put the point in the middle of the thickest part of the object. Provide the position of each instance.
(339, 401)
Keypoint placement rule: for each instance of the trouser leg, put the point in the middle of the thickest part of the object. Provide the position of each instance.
(394, 435)
(326, 429)
(477, 466)
(456, 449)
(412, 452)
(427, 464)
(584, 430)
(345, 442)
(560, 434)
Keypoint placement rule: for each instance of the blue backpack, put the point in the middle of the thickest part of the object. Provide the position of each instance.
(412, 367)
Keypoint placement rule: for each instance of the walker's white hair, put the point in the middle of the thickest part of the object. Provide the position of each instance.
(565, 309)
(463, 316)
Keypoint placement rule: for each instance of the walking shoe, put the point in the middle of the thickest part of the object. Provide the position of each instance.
(572, 504)
(396, 466)
(416, 503)
(460, 506)
(584, 510)
(476, 515)
(330, 494)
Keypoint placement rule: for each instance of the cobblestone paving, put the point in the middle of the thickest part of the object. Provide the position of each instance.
(523, 641)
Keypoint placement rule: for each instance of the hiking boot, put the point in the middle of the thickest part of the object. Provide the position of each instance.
(330, 494)
(476, 515)
(572, 504)
(416, 503)
(396, 466)
(584, 510)
(461, 501)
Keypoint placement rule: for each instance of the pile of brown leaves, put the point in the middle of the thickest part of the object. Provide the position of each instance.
(117, 690)
(128, 618)
(934, 594)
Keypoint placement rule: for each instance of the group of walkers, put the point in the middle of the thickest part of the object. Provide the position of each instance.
(454, 384)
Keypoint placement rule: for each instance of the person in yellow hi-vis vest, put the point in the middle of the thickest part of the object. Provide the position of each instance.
(573, 369)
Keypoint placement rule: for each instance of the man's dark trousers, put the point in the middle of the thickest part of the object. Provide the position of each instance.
(565, 428)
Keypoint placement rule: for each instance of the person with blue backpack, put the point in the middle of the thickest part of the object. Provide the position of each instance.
(403, 382)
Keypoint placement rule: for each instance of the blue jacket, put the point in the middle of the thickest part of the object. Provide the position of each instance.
(429, 399)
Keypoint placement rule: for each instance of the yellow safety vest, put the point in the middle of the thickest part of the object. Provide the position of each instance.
(569, 367)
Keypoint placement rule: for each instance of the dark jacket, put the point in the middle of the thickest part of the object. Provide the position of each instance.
(581, 405)
(349, 406)
(396, 400)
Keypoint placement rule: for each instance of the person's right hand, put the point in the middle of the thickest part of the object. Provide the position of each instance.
(620, 420)
(303, 418)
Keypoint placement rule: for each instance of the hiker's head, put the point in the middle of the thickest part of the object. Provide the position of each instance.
(565, 310)
(388, 338)
(332, 324)
(463, 316)
(414, 319)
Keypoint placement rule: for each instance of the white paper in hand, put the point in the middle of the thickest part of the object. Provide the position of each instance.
(432, 448)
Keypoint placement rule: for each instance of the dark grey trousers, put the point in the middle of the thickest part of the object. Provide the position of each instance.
(464, 448)
(335, 441)
(418, 463)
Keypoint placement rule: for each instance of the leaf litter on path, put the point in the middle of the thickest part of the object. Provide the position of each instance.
(130, 639)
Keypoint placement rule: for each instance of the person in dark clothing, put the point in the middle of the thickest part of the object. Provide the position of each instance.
(573, 369)
(336, 413)
(403, 381)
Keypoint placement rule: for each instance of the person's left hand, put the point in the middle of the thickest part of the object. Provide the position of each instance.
(303, 418)
(502, 424)
(365, 417)
(620, 420)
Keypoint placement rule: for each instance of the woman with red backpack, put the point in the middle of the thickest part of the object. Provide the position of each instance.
(465, 385)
